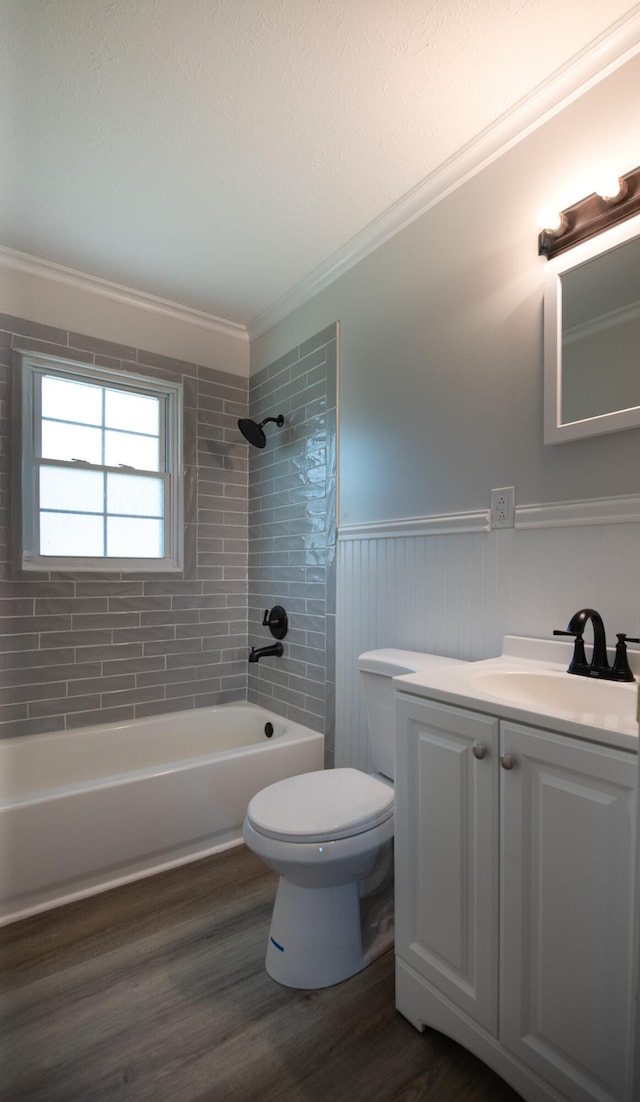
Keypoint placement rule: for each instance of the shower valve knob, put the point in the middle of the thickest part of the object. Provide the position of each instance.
(277, 621)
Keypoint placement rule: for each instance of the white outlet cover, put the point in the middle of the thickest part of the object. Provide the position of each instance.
(503, 507)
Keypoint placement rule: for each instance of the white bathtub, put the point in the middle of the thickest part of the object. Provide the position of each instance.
(82, 811)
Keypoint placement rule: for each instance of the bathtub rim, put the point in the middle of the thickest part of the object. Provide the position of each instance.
(292, 733)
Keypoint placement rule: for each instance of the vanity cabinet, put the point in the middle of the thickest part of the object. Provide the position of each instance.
(515, 897)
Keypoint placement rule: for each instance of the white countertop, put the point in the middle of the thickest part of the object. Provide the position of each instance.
(603, 711)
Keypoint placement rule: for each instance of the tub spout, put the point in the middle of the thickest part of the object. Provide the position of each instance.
(274, 651)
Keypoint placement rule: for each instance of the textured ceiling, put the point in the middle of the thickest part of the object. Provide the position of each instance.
(216, 152)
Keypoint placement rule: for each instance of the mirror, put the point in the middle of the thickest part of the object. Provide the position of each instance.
(592, 336)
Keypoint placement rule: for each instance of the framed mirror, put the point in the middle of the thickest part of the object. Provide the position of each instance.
(592, 336)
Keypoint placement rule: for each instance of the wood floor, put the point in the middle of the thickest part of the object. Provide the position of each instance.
(157, 991)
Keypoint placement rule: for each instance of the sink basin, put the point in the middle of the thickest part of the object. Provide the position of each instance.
(605, 703)
(529, 683)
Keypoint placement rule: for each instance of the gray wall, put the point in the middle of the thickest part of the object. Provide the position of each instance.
(292, 533)
(441, 336)
(84, 648)
(441, 399)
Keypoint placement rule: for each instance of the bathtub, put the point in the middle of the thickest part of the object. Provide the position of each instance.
(83, 811)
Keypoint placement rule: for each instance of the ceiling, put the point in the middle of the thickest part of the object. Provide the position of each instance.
(216, 153)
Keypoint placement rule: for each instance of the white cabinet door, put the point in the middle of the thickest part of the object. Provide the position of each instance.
(446, 852)
(567, 905)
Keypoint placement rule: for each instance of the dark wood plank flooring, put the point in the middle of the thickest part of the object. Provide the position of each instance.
(157, 990)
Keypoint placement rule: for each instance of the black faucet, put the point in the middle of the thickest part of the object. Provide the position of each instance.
(274, 651)
(599, 665)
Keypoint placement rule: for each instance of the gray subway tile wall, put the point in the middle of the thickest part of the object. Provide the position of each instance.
(292, 533)
(77, 650)
(80, 649)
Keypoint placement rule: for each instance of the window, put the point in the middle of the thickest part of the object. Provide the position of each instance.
(101, 464)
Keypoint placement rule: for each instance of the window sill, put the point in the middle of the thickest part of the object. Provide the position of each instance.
(53, 564)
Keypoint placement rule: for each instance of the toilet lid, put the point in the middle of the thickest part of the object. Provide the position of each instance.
(321, 806)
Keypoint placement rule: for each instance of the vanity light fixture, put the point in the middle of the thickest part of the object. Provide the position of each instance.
(615, 200)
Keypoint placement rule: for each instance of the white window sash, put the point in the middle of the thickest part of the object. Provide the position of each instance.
(33, 368)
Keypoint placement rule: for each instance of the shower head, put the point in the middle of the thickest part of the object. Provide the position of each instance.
(254, 433)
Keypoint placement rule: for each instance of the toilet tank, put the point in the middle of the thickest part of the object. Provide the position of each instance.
(377, 667)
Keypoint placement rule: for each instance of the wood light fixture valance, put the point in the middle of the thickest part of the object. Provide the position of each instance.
(591, 215)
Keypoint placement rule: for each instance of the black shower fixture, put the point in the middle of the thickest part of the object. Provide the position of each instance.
(254, 433)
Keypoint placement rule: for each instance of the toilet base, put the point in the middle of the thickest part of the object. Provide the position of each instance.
(321, 936)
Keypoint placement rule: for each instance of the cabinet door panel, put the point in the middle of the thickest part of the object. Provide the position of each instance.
(567, 844)
(446, 841)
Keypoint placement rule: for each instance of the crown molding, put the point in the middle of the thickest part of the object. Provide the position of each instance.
(611, 320)
(605, 54)
(104, 288)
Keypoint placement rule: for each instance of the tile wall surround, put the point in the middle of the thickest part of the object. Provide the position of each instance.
(82, 648)
(459, 594)
(292, 533)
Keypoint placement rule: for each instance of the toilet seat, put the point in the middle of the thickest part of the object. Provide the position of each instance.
(322, 806)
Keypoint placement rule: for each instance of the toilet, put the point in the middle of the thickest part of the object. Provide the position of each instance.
(329, 836)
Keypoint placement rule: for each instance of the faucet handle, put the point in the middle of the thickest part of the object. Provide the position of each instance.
(579, 657)
(621, 670)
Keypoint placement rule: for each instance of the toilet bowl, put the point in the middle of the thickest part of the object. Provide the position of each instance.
(329, 836)
(325, 836)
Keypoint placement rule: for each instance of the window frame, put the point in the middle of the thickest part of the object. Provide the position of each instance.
(32, 368)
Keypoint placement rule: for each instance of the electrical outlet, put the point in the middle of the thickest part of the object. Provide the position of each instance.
(503, 507)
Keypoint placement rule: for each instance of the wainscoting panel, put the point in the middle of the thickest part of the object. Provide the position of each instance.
(459, 594)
